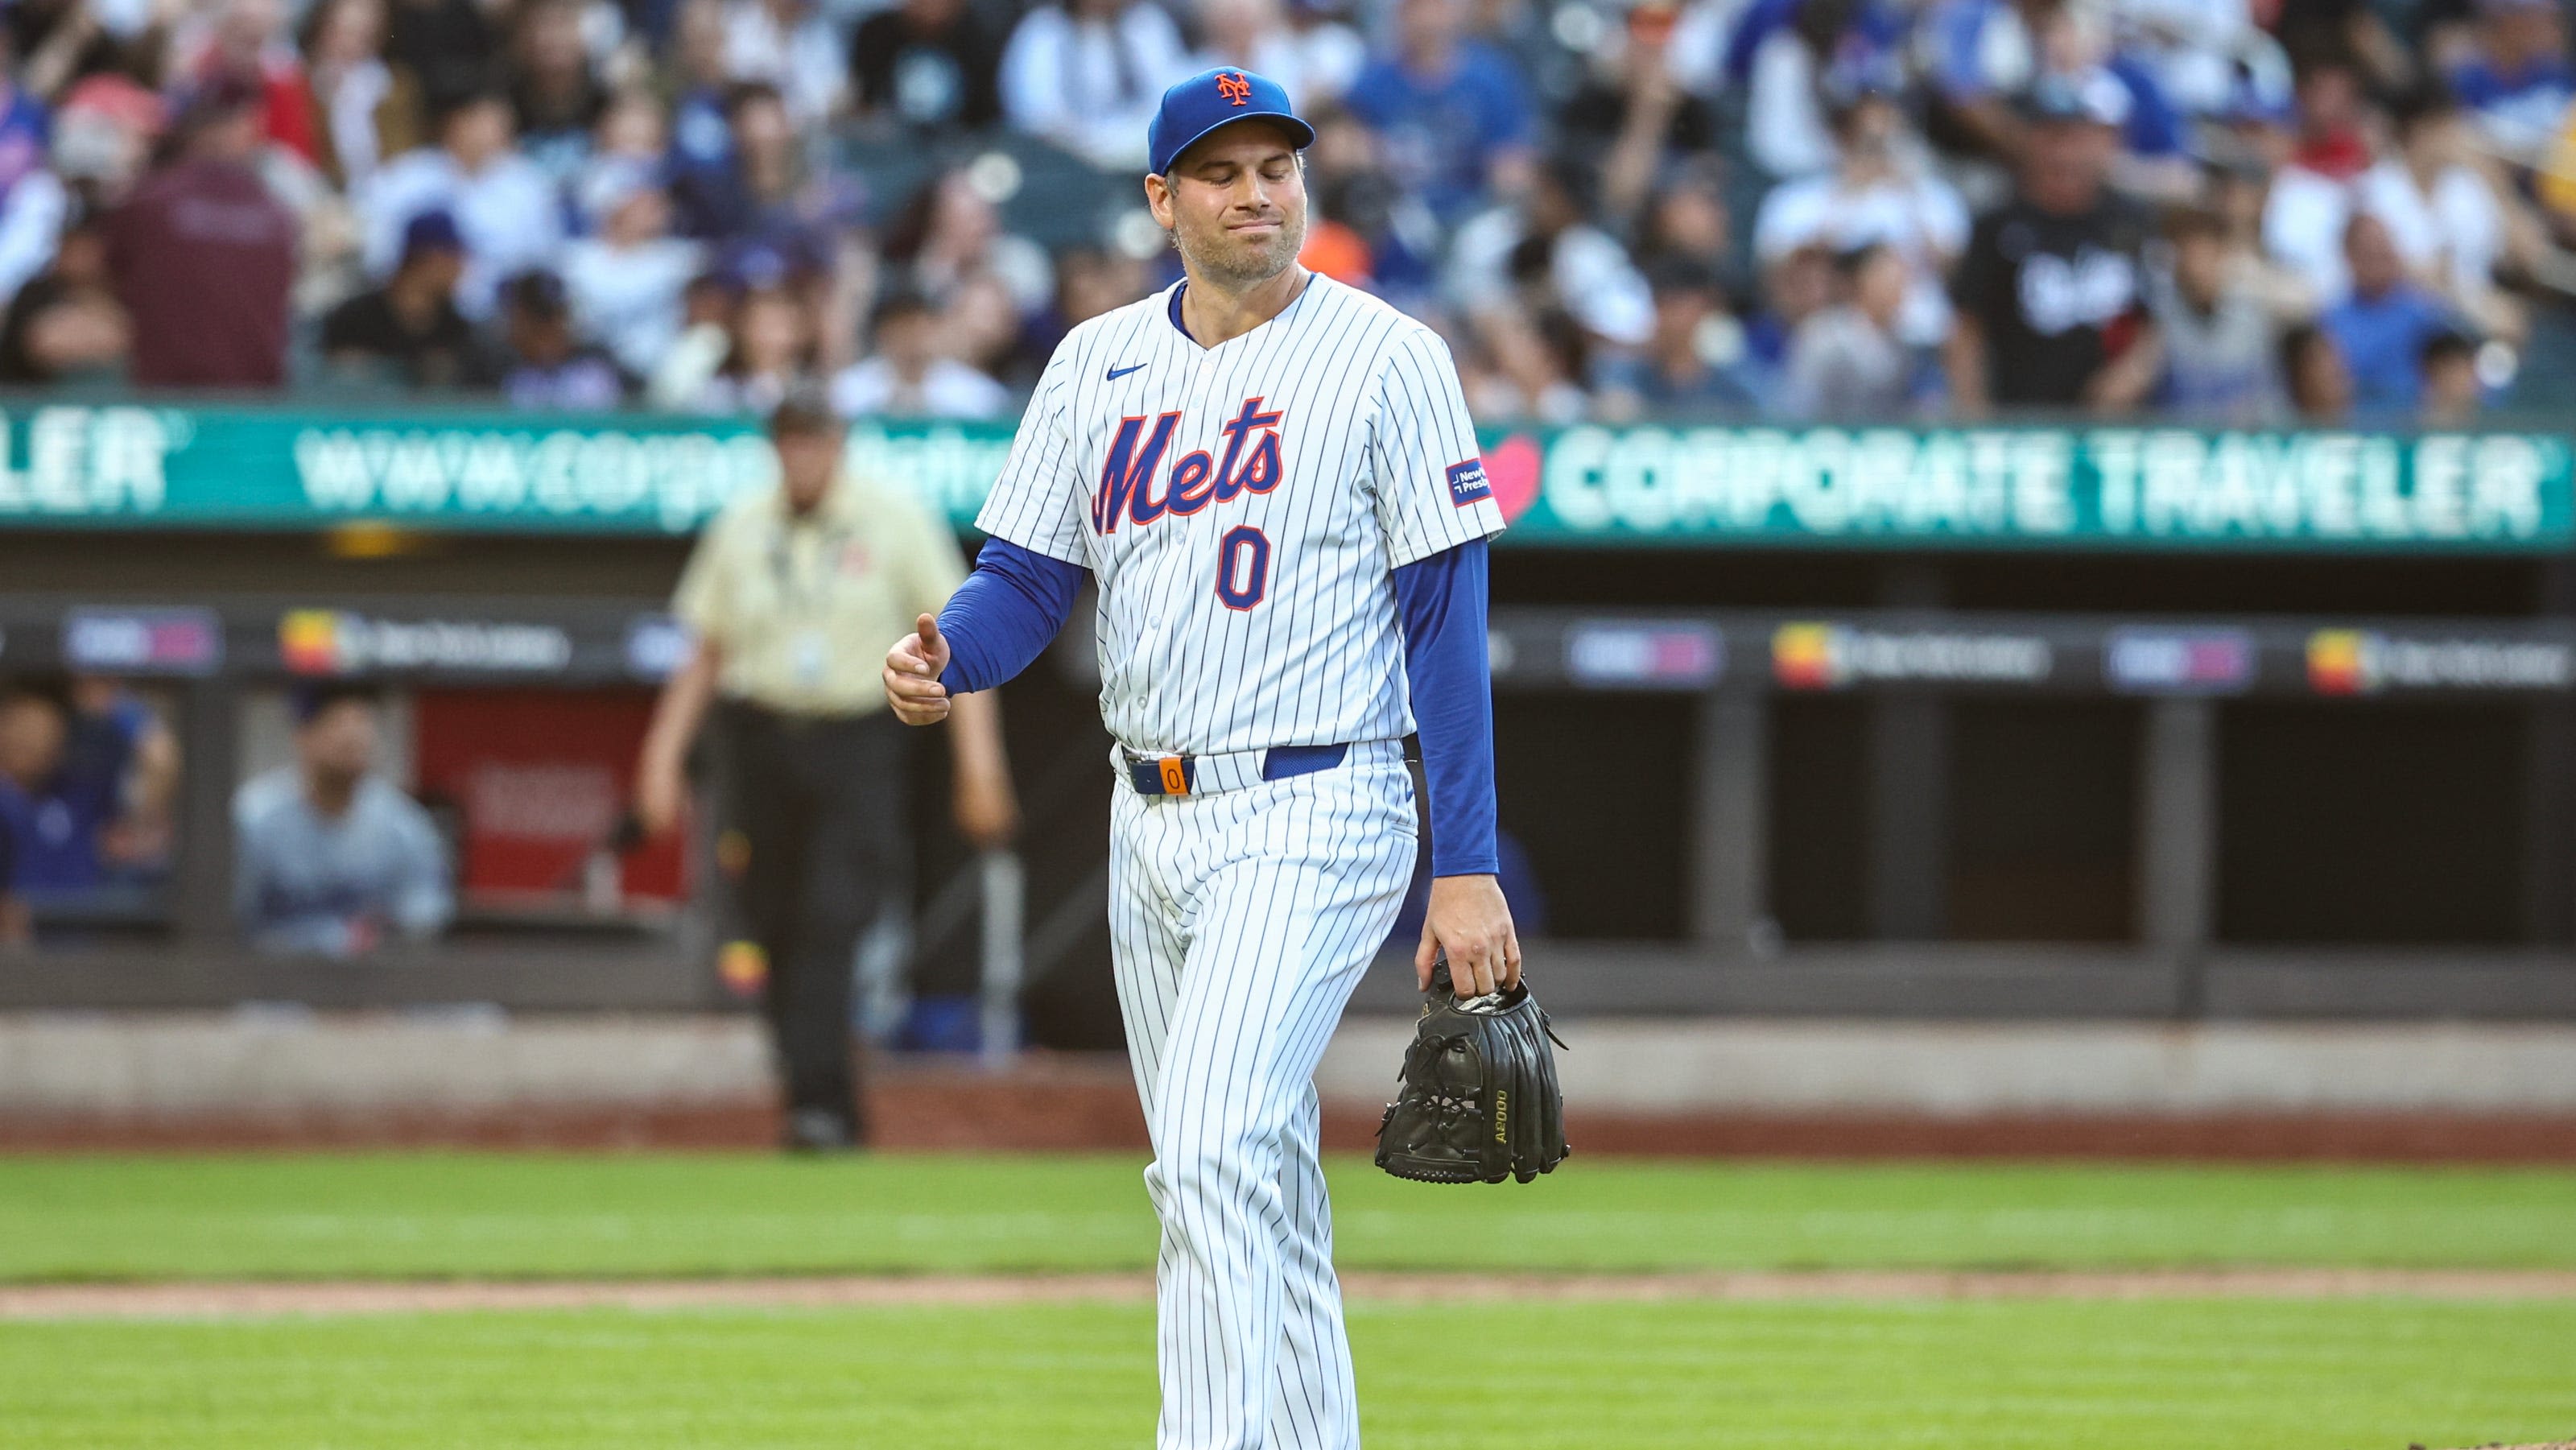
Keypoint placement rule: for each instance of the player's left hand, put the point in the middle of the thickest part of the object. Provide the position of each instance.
(1470, 921)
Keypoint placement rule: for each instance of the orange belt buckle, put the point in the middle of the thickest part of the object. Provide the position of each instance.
(1176, 777)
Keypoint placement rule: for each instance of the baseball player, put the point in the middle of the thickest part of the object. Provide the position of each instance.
(1274, 480)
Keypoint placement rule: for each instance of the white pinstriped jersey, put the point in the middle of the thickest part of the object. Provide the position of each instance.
(1243, 507)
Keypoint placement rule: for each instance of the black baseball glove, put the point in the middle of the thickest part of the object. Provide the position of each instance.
(1479, 1101)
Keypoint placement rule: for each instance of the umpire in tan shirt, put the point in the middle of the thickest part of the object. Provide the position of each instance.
(792, 595)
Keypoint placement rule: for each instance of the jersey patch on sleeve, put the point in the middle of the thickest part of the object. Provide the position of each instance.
(1467, 482)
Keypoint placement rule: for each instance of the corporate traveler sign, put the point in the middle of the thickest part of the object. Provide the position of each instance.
(127, 465)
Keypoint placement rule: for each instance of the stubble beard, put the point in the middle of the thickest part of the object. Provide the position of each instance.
(1236, 267)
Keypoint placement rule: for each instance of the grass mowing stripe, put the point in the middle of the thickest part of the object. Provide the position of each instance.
(2182, 1375)
(503, 1216)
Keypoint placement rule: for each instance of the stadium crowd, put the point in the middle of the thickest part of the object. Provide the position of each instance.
(2233, 210)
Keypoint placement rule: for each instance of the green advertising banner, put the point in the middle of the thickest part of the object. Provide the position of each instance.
(133, 465)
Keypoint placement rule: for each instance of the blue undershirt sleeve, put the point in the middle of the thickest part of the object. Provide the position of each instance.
(1440, 603)
(1002, 617)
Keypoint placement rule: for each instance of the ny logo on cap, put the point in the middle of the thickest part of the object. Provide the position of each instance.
(1235, 88)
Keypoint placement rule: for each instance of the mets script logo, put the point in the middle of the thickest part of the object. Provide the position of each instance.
(1197, 480)
(1235, 87)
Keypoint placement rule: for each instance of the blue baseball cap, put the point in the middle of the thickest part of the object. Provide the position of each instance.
(1194, 108)
(431, 231)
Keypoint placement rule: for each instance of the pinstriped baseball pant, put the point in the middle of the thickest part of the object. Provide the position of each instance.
(1240, 922)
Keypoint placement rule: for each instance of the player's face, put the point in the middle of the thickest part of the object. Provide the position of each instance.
(1235, 204)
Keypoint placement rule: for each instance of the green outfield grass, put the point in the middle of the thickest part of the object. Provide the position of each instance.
(2136, 1375)
(2064, 1376)
(441, 1216)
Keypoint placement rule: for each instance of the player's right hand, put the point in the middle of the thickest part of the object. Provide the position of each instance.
(912, 671)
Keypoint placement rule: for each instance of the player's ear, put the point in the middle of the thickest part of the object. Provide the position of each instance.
(1158, 200)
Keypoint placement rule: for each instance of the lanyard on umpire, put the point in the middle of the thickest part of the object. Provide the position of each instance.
(829, 540)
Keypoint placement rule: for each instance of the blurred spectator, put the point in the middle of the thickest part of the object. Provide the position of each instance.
(762, 193)
(701, 138)
(2048, 306)
(246, 41)
(1687, 218)
(1527, 365)
(2332, 119)
(104, 137)
(1794, 288)
(1874, 196)
(2453, 396)
(1449, 108)
(2221, 359)
(32, 214)
(447, 46)
(769, 353)
(87, 773)
(330, 858)
(1315, 63)
(631, 138)
(2313, 372)
(543, 367)
(66, 325)
(1087, 75)
(120, 742)
(33, 203)
(2309, 195)
(1976, 55)
(557, 98)
(1552, 300)
(204, 256)
(789, 46)
(626, 282)
(54, 813)
(1693, 359)
(1851, 361)
(2238, 193)
(1088, 282)
(1330, 50)
(698, 353)
(2194, 49)
(949, 234)
(364, 110)
(408, 330)
(505, 208)
(1789, 55)
(2383, 323)
(2363, 30)
(1381, 232)
(929, 65)
(55, 42)
(909, 376)
(981, 324)
(1632, 117)
(2441, 210)
(1542, 256)
(2516, 77)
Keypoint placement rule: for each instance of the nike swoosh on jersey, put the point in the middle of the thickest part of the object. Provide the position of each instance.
(1116, 373)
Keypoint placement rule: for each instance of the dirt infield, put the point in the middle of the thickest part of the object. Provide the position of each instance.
(1087, 1102)
(165, 1301)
